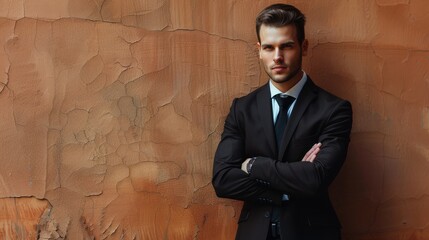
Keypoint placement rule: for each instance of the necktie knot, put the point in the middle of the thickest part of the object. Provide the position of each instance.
(284, 102)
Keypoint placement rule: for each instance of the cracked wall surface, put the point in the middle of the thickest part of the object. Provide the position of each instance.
(111, 111)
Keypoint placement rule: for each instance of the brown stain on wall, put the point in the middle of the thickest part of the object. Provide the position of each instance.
(111, 112)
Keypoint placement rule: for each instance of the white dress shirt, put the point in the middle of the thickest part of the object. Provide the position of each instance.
(294, 92)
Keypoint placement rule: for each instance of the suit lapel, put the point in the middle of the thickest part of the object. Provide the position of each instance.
(307, 95)
(266, 115)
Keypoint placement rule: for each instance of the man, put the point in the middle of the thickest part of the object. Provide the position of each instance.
(284, 143)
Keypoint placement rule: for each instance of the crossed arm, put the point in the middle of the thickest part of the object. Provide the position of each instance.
(308, 157)
(318, 167)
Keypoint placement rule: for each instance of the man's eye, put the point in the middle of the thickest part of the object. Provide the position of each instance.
(287, 46)
(268, 48)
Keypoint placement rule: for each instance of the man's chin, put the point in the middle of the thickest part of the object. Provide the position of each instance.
(282, 79)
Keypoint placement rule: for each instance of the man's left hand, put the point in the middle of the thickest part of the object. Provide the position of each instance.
(312, 153)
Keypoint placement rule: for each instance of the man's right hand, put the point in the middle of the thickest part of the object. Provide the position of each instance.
(312, 153)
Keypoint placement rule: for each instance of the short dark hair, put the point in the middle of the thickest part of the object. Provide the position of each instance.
(279, 15)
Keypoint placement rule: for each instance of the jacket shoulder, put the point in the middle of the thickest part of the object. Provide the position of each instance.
(252, 96)
(328, 97)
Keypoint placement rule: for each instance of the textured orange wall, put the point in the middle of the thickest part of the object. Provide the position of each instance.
(110, 113)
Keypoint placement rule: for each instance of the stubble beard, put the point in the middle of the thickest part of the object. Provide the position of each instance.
(290, 75)
(287, 77)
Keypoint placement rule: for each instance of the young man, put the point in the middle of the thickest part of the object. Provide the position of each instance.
(284, 143)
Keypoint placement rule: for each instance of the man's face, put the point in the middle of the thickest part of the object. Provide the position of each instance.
(281, 53)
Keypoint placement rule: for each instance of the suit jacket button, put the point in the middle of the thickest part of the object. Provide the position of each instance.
(267, 214)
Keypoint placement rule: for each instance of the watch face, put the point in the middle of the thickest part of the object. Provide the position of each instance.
(249, 165)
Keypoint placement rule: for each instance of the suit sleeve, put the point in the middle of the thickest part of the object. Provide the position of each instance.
(306, 179)
(229, 181)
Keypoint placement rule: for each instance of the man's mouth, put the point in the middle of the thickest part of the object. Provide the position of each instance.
(279, 68)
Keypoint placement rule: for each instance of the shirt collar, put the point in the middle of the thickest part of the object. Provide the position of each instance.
(294, 91)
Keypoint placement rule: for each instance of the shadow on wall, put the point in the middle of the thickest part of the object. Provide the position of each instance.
(380, 192)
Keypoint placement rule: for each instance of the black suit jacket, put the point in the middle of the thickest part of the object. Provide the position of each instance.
(318, 116)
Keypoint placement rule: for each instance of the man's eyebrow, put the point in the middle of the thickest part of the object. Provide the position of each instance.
(289, 42)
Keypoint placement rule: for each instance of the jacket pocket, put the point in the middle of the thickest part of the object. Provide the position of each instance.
(322, 221)
(245, 213)
(318, 213)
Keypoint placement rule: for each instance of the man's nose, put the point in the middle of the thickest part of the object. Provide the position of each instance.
(278, 56)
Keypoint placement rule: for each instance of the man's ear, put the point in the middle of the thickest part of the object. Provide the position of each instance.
(259, 48)
(304, 47)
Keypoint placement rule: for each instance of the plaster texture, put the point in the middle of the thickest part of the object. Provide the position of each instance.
(111, 111)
